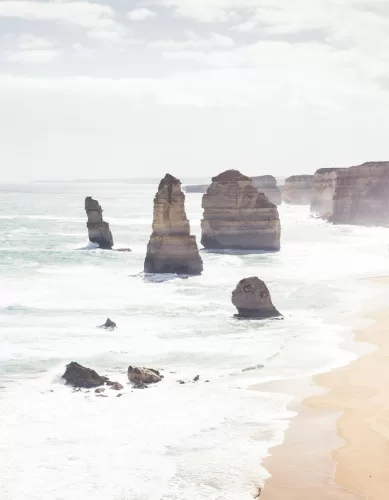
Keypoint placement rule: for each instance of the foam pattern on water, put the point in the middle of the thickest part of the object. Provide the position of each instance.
(194, 441)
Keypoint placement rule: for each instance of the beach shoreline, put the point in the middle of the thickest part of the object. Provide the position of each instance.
(336, 446)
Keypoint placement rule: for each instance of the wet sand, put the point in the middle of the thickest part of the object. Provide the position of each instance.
(338, 445)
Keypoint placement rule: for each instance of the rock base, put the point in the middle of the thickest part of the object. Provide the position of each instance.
(173, 254)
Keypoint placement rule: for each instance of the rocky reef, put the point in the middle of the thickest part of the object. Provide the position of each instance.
(237, 216)
(252, 299)
(171, 249)
(80, 376)
(196, 188)
(267, 184)
(98, 229)
(141, 375)
(361, 195)
(298, 190)
(323, 189)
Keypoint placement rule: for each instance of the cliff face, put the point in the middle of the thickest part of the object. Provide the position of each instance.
(267, 184)
(237, 216)
(361, 195)
(171, 248)
(323, 188)
(98, 229)
(298, 190)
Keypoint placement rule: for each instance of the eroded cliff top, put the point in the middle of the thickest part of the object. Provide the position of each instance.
(326, 170)
(230, 175)
(296, 178)
(369, 165)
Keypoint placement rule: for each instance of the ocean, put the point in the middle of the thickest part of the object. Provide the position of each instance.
(192, 441)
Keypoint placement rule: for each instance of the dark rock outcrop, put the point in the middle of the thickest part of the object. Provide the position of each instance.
(143, 375)
(171, 249)
(361, 195)
(298, 190)
(79, 376)
(98, 229)
(237, 216)
(252, 299)
(267, 184)
(108, 325)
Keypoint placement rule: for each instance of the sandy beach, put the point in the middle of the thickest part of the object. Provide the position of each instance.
(338, 445)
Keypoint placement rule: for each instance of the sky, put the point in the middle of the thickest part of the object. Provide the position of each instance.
(138, 88)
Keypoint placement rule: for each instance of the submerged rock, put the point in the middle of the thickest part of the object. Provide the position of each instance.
(98, 229)
(143, 375)
(267, 184)
(298, 190)
(80, 376)
(109, 324)
(237, 216)
(252, 299)
(116, 386)
(361, 195)
(171, 249)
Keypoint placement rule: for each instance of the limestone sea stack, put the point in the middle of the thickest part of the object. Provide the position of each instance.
(252, 299)
(323, 188)
(267, 184)
(361, 195)
(298, 190)
(98, 229)
(171, 249)
(237, 216)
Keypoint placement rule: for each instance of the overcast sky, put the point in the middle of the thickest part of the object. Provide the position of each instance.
(135, 88)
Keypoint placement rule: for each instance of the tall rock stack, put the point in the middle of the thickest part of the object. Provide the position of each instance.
(298, 190)
(361, 195)
(98, 229)
(171, 248)
(237, 216)
(267, 184)
(323, 188)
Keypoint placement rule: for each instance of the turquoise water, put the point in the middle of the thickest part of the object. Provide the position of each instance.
(193, 441)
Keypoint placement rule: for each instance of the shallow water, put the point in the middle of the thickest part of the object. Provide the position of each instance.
(195, 441)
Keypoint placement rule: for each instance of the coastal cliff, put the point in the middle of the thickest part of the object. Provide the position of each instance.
(98, 229)
(298, 190)
(267, 184)
(237, 216)
(361, 195)
(323, 189)
(171, 248)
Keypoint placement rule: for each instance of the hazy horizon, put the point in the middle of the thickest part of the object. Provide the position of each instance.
(129, 89)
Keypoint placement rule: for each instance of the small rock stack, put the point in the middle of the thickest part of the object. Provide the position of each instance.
(252, 299)
(171, 249)
(98, 229)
